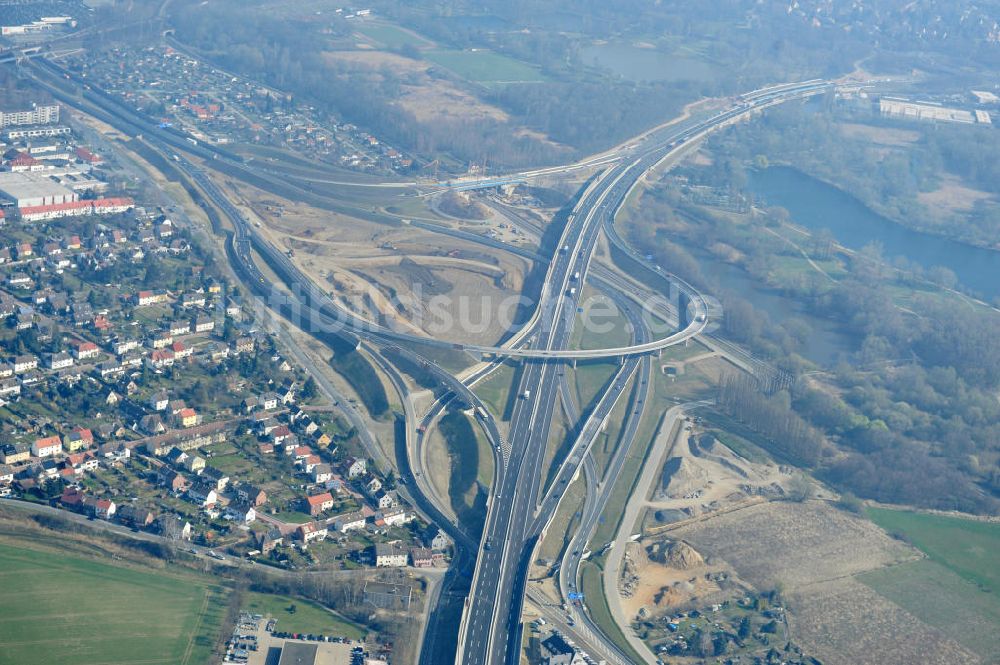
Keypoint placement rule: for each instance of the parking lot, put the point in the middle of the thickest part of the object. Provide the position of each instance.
(253, 643)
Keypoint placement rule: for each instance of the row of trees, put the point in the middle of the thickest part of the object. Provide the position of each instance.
(740, 396)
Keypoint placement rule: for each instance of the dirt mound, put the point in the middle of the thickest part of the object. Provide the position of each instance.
(635, 557)
(677, 554)
(681, 477)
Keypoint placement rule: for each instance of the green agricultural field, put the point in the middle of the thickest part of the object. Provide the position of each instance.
(392, 36)
(484, 67)
(955, 589)
(967, 547)
(60, 608)
(295, 615)
(943, 599)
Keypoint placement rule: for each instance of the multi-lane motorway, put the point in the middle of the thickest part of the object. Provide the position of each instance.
(518, 509)
(491, 626)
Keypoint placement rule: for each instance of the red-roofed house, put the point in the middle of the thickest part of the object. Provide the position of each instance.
(188, 417)
(83, 349)
(161, 358)
(112, 205)
(319, 503)
(181, 351)
(55, 210)
(80, 437)
(85, 155)
(46, 447)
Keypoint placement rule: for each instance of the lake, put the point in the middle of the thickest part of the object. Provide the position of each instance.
(817, 205)
(645, 64)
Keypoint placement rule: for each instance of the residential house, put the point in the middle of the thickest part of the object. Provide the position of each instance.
(390, 555)
(83, 349)
(82, 462)
(201, 324)
(15, 453)
(72, 498)
(144, 298)
(172, 480)
(160, 358)
(310, 463)
(152, 424)
(373, 486)
(79, 438)
(114, 453)
(161, 339)
(25, 363)
(269, 401)
(268, 540)
(218, 478)
(195, 299)
(393, 517)
(60, 360)
(240, 513)
(159, 400)
(280, 434)
(123, 346)
(181, 350)
(355, 467)
(349, 521)
(9, 388)
(251, 495)
(318, 503)
(386, 500)
(421, 557)
(202, 494)
(321, 473)
(194, 463)
(46, 446)
(440, 541)
(311, 531)
(300, 453)
(188, 417)
(136, 516)
(103, 508)
(175, 457)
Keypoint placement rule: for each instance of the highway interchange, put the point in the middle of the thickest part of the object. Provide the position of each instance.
(519, 506)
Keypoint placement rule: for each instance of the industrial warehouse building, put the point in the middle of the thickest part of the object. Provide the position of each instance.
(26, 189)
